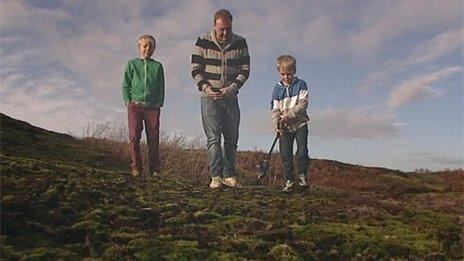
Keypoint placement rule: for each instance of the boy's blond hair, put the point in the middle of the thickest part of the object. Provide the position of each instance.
(149, 38)
(286, 63)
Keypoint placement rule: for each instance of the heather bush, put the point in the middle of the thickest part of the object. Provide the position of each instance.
(187, 158)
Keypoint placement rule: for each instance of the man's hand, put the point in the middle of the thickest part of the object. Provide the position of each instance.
(228, 91)
(222, 92)
(215, 95)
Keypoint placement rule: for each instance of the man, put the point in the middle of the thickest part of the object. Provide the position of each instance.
(220, 66)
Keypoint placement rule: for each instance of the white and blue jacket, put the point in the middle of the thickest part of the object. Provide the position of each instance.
(292, 101)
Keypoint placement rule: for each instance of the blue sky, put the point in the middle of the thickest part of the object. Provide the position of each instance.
(385, 77)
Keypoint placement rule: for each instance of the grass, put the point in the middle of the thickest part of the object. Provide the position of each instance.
(81, 204)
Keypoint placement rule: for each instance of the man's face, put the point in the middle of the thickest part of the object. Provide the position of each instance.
(146, 49)
(223, 29)
(287, 76)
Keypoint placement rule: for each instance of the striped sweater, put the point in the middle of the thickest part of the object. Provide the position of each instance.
(220, 67)
(292, 101)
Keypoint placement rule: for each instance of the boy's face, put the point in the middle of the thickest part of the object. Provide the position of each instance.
(146, 49)
(287, 76)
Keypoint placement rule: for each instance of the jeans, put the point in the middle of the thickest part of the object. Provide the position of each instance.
(137, 115)
(286, 152)
(221, 117)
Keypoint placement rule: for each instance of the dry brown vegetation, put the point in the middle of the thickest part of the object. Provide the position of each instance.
(188, 159)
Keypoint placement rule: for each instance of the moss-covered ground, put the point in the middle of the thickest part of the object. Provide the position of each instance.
(58, 208)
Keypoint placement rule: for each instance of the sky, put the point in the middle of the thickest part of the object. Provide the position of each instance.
(385, 77)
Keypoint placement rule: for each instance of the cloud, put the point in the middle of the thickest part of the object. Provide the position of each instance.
(330, 30)
(263, 27)
(86, 46)
(419, 88)
(430, 50)
(41, 106)
(69, 57)
(258, 121)
(361, 123)
(434, 158)
(438, 46)
(382, 22)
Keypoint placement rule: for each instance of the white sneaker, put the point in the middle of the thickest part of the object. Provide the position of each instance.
(288, 186)
(302, 180)
(231, 182)
(215, 182)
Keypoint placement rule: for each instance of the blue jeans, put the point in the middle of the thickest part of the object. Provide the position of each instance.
(221, 117)
(286, 152)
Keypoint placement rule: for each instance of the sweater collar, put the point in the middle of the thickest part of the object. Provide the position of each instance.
(293, 81)
(215, 40)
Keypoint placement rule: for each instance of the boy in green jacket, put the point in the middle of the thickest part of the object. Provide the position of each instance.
(143, 94)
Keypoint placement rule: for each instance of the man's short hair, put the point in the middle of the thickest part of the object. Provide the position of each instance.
(286, 63)
(148, 38)
(222, 14)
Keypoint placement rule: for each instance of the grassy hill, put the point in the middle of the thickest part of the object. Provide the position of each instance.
(68, 198)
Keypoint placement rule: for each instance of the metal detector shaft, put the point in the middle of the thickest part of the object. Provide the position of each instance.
(264, 166)
(273, 145)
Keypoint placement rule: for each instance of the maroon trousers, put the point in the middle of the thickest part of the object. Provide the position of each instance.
(137, 115)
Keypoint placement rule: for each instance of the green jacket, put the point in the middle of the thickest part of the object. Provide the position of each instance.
(143, 82)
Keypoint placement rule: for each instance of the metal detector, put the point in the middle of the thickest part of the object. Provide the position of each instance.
(263, 167)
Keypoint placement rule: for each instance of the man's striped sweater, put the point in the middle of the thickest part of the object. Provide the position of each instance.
(220, 66)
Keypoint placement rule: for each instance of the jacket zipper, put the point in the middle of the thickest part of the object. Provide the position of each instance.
(145, 79)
